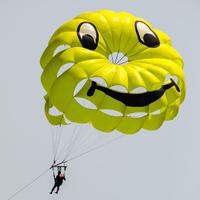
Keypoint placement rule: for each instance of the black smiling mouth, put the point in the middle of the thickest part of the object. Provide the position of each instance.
(133, 100)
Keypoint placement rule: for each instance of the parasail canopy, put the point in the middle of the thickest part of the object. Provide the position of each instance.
(113, 70)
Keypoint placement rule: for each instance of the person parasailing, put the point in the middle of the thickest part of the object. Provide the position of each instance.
(59, 178)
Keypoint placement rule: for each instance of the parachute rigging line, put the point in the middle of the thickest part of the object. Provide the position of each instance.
(73, 142)
(69, 142)
(93, 149)
(60, 128)
(28, 184)
(85, 145)
(56, 138)
(82, 143)
(90, 150)
(76, 144)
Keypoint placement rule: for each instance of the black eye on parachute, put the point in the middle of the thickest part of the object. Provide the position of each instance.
(88, 35)
(145, 35)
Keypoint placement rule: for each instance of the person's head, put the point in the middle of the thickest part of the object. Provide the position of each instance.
(59, 172)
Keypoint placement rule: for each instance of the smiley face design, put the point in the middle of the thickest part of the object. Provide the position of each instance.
(112, 70)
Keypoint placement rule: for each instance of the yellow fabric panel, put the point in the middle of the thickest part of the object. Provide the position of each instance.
(104, 122)
(77, 113)
(54, 120)
(150, 59)
(154, 122)
(131, 125)
(172, 111)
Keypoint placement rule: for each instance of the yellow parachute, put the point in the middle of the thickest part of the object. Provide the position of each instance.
(115, 71)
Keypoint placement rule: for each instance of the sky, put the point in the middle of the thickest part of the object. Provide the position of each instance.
(163, 164)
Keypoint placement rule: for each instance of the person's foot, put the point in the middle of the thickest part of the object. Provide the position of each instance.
(56, 192)
(50, 192)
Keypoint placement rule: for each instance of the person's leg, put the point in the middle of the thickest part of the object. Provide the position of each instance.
(58, 187)
(53, 188)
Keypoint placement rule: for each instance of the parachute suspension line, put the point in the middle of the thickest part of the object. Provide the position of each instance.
(121, 59)
(118, 50)
(123, 62)
(59, 136)
(116, 56)
(93, 149)
(56, 137)
(86, 145)
(126, 55)
(95, 146)
(89, 150)
(68, 142)
(69, 153)
(83, 141)
(138, 51)
(53, 141)
(28, 184)
(75, 138)
(108, 49)
(79, 142)
(123, 55)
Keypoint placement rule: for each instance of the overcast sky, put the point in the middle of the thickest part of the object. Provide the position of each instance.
(147, 166)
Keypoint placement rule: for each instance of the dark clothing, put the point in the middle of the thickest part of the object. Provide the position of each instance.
(59, 179)
(58, 182)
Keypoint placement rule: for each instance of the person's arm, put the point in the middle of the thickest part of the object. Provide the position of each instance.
(64, 173)
(54, 175)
